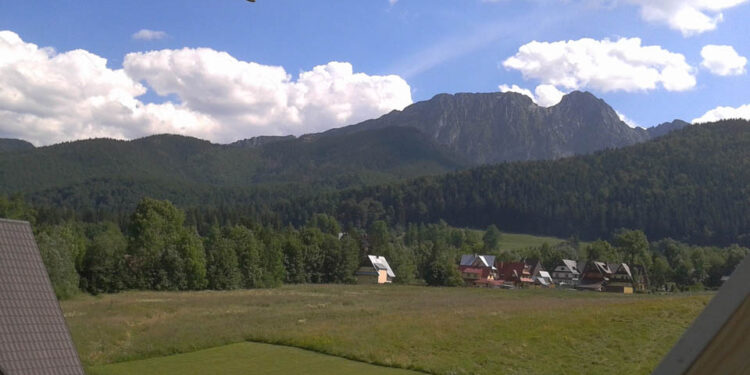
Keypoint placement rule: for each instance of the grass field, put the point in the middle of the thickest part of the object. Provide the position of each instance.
(246, 358)
(439, 330)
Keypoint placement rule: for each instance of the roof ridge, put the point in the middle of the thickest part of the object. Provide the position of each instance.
(14, 221)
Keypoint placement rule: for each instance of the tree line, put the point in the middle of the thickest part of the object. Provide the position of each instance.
(159, 250)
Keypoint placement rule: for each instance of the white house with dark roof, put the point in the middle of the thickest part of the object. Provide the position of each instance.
(566, 273)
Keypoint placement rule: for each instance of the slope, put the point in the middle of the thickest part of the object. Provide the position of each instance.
(692, 185)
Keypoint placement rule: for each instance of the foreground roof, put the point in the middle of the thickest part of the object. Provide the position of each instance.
(717, 342)
(33, 336)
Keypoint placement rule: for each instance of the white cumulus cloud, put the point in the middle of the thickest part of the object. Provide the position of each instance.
(603, 65)
(252, 98)
(517, 89)
(548, 95)
(544, 95)
(723, 60)
(146, 34)
(723, 113)
(690, 17)
(48, 97)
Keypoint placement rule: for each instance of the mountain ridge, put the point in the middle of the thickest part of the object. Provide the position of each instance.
(497, 127)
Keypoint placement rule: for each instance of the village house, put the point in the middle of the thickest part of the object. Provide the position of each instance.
(517, 273)
(539, 275)
(376, 270)
(477, 269)
(621, 280)
(566, 273)
(595, 276)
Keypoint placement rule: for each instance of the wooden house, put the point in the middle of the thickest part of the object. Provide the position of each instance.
(595, 276)
(375, 270)
(621, 280)
(34, 338)
(477, 268)
(566, 273)
(517, 273)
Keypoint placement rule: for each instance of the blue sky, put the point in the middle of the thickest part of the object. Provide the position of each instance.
(257, 61)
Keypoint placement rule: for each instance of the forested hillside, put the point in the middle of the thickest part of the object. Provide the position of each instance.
(692, 185)
(105, 174)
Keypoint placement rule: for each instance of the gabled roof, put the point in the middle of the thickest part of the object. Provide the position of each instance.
(33, 336)
(572, 266)
(478, 260)
(379, 263)
(603, 267)
(624, 269)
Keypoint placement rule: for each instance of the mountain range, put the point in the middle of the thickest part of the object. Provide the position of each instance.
(498, 127)
(443, 134)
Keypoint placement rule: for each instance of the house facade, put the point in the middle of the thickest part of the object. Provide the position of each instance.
(477, 269)
(595, 276)
(517, 273)
(566, 273)
(621, 280)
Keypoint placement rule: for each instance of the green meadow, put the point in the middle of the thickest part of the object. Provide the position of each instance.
(515, 241)
(246, 358)
(435, 330)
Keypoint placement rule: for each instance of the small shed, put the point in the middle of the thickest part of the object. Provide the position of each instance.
(376, 270)
(34, 338)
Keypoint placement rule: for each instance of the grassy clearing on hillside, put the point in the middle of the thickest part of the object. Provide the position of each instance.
(515, 241)
(440, 330)
(246, 358)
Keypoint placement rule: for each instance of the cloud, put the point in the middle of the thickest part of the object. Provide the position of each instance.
(722, 113)
(690, 17)
(392, 2)
(146, 34)
(517, 89)
(548, 95)
(628, 120)
(48, 97)
(607, 66)
(251, 98)
(544, 95)
(723, 60)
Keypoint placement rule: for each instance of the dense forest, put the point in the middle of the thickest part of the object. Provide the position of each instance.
(108, 174)
(691, 185)
(159, 251)
(688, 187)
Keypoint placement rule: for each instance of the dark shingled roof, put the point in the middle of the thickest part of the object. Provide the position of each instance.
(33, 336)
